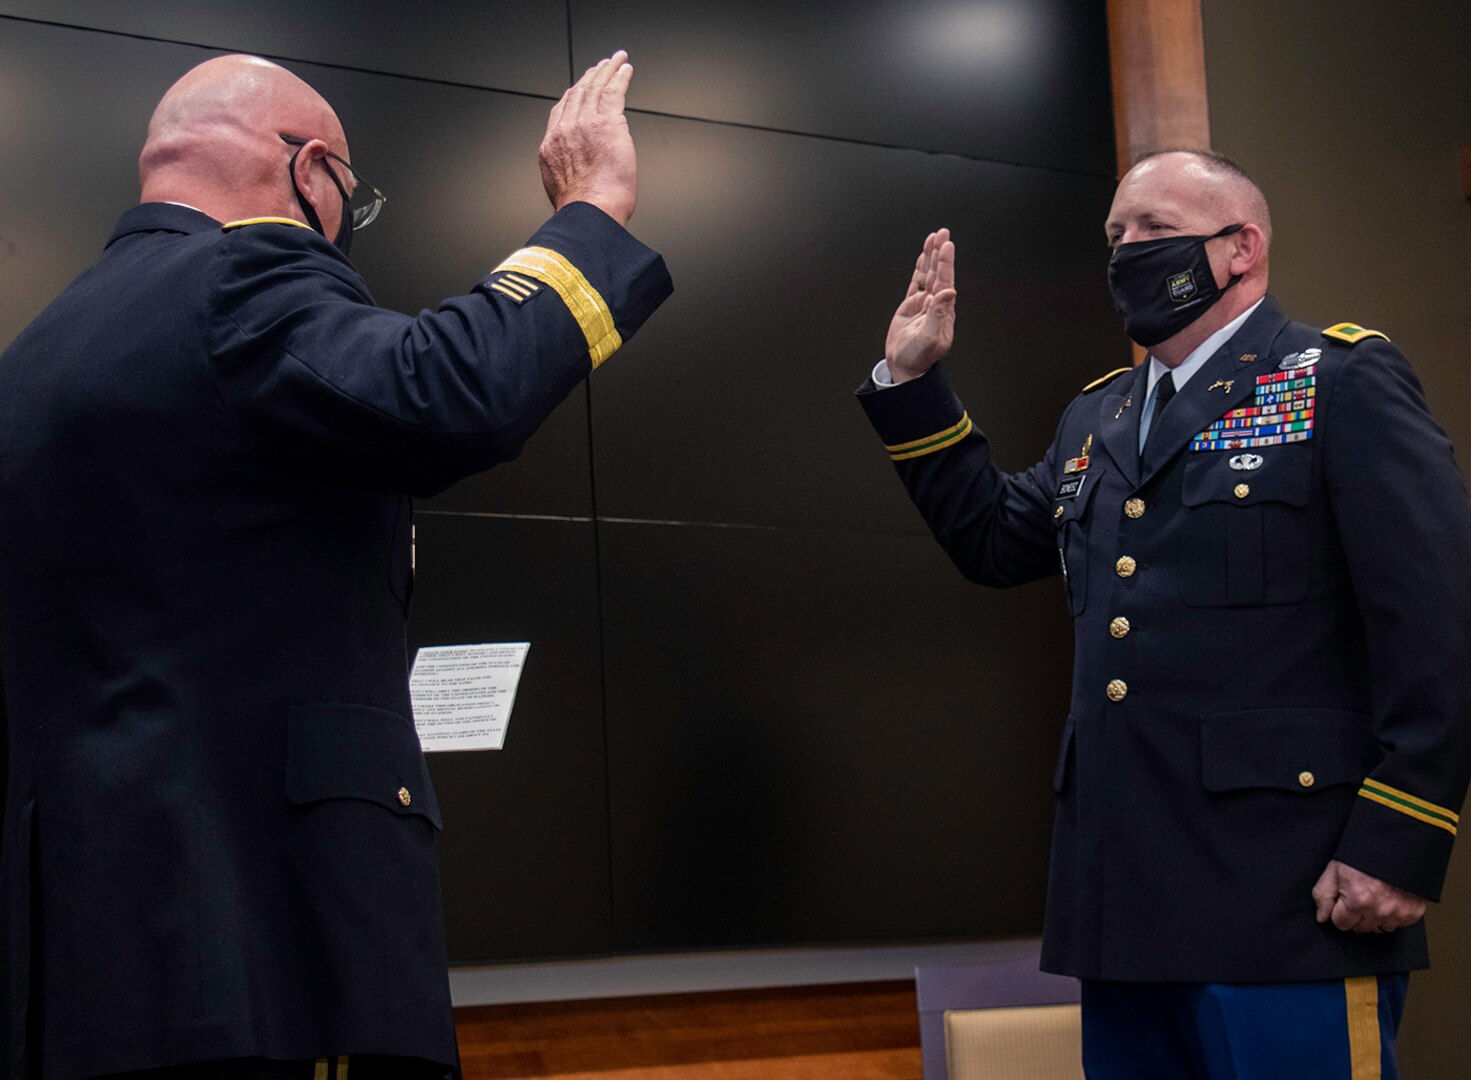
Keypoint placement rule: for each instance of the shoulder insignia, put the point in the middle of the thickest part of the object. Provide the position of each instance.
(1351, 333)
(264, 221)
(1096, 383)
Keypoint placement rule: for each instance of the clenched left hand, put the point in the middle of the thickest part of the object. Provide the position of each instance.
(1363, 904)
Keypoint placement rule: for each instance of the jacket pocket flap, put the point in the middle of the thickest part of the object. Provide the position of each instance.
(1279, 474)
(1074, 492)
(1300, 750)
(342, 751)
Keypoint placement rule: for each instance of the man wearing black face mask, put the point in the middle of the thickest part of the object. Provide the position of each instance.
(1262, 535)
(218, 852)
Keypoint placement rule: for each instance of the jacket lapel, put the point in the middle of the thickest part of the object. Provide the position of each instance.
(1119, 408)
(1223, 383)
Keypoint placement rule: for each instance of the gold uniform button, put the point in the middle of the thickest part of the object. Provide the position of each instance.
(1242, 491)
(404, 797)
(1126, 566)
(1120, 627)
(1306, 779)
(1117, 690)
(1134, 508)
(1057, 513)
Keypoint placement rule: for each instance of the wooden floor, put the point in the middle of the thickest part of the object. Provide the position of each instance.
(866, 1031)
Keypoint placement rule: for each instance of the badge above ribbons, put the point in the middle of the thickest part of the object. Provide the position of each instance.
(1080, 463)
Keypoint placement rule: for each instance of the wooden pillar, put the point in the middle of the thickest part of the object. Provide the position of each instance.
(1157, 52)
(1159, 99)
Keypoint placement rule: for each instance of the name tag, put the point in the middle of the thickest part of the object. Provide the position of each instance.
(1071, 485)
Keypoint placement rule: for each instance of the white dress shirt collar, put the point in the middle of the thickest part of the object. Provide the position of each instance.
(1198, 356)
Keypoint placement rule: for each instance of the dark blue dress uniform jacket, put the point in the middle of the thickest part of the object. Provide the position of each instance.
(218, 835)
(1271, 660)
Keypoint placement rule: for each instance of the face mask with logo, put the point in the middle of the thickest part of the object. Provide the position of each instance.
(1162, 286)
(343, 239)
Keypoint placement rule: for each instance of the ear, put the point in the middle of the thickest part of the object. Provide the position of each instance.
(315, 186)
(1248, 247)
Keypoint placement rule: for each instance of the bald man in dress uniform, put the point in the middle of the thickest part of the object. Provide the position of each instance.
(218, 852)
(1262, 536)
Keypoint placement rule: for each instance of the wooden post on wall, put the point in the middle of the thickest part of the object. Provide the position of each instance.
(1157, 52)
(1157, 49)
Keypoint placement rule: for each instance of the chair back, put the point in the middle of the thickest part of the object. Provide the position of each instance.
(998, 1020)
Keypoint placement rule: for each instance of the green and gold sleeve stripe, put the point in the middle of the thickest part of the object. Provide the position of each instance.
(1407, 804)
(583, 301)
(930, 443)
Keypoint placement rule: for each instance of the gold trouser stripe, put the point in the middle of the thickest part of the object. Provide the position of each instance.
(1362, 999)
(928, 445)
(342, 1067)
(498, 287)
(266, 221)
(584, 302)
(320, 1072)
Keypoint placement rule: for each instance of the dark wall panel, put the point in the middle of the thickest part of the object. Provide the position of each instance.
(1008, 80)
(790, 255)
(525, 845)
(822, 736)
(506, 46)
(74, 108)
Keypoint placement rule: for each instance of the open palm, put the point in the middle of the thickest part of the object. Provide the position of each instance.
(923, 327)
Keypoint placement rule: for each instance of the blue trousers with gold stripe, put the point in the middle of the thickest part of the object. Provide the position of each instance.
(1342, 1029)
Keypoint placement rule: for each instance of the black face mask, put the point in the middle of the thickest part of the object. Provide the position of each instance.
(343, 239)
(1162, 286)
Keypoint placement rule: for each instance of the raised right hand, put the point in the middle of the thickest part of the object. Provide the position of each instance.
(587, 153)
(923, 327)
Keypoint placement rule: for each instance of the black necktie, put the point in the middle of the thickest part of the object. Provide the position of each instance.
(1163, 391)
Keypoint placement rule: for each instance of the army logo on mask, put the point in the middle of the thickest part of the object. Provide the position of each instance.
(1181, 286)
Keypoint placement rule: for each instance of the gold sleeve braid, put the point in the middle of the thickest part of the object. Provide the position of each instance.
(583, 301)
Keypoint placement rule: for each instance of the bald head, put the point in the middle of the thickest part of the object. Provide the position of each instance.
(1197, 188)
(1193, 193)
(1219, 182)
(214, 141)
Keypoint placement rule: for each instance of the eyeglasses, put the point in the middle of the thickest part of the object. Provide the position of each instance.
(365, 201)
